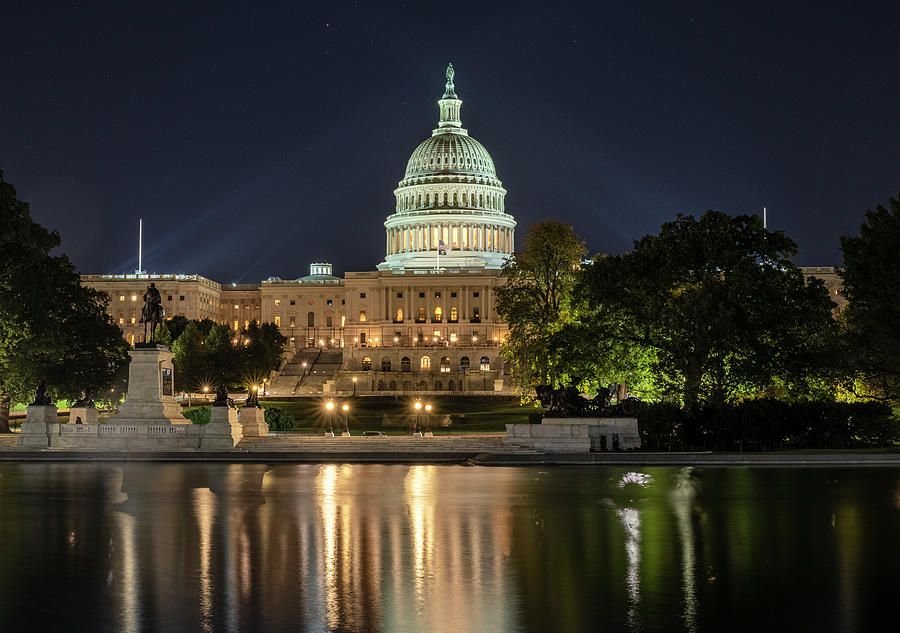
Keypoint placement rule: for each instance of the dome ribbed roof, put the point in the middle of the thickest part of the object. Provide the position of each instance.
(450, 153)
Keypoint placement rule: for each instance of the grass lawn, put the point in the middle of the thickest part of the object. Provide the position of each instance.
(395, 415)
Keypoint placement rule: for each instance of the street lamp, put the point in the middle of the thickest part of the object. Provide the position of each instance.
(329, 408)
(418, 407)
(346, 408)
(354, 386)
(428, 432)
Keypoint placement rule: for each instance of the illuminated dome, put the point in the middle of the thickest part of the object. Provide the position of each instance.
(450, 210)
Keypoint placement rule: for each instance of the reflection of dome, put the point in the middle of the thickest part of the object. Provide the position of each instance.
(450, 205)
(450, 154)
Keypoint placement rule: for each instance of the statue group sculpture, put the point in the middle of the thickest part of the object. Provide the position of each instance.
(567, 402)
(152, 313)
(41, 399)
(222, 399)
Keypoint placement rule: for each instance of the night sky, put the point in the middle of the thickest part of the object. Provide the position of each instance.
(254, 140)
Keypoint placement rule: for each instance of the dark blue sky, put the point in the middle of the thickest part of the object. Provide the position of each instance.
(256, 139)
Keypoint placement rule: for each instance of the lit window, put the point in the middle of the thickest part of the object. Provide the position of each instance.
(277, 302)
(438, 314)
(131, 340)
(445, 365)
(437, 295)
(399, 318)
(278, 321)
(343, 320)
(132, 319)
(452, 337)
(362, 316)
(453, 314)
(134, 297)
(485, 363)
(235, 326)
(237, 307)
(425, 364)
(121, 320)
(246, 324)
(121, 297)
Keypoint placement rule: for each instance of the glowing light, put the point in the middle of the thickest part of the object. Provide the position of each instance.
(428, 407)
(354, 379)
(345, 408)
(396, 339)
(417, 406)
(329, 405)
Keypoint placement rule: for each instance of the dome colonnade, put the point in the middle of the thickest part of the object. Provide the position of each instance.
(450, 193)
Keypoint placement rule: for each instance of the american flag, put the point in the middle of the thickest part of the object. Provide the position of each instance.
(442, 248)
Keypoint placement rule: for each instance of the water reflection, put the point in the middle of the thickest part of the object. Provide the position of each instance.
(219, 547)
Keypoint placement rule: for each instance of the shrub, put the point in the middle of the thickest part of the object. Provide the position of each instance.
(279, 419)
(198, 416)
(767, 424)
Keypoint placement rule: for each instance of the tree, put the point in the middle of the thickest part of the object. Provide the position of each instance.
(162, 335)
(719, 306)
(189, 359)
(52, 329)
(871, 284)
(535, 302)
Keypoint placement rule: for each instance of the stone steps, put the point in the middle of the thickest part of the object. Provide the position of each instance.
(8, 440)
(338, 444)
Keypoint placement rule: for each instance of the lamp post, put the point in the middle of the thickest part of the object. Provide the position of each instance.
(205, 392)
(329, 408)
(346, 409)
(428, 432)
(354, 386)
(418, 408)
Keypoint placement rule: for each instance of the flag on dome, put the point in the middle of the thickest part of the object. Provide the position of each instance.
(442, 248)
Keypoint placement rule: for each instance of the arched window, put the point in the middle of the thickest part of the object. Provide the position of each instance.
(427, 199)
(453, 315)
(445, 198)
(366, 363)
(425, 364)
(465, 196)
(438, 315)
(380, 385)
(485, 363)
(407, 385)
(450, 386)
(480, 199)
(455, 203)
(421, 386)
(437, 385)
(464, 363)
(421, 318)
(311, 319)
(405, 364)
(392, 386)
(385, 364)
(445, 365)
(399, 318)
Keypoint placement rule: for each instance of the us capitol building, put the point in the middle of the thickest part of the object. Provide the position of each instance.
(424, 321)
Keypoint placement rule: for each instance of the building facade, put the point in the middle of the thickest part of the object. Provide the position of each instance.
(424, 320)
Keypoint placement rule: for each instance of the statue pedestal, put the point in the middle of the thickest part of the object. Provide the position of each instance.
(34, 432)
(88, 415)
(253, 422)
(151, 394)
(223, 431)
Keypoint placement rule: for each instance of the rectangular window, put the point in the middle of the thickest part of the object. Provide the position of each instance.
(235, 326)
(465, 238)
(121, 320)
(246, 324)
(421, 295)
(181, 298)
(399, 295)
(445, 234)
(278, 321)
(293, 302)
(343, 320)
(362, 295)
(362, 316)
(121, 297)
(132, 319)
(453, 294)
(489, 241)
(475, 239)
(343, 302)
(434, 237)
(328, 321)
(437, 295)
(169, 298)
(476, 293)
(329, 302)
(277, 302)
(134, 297)
(237, 307)
(455, 237)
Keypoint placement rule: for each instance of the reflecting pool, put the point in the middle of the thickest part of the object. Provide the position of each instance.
(396, 548)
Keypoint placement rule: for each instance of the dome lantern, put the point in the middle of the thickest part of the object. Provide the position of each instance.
(450, 105)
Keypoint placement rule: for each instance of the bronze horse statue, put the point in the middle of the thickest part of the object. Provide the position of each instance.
(152, 312)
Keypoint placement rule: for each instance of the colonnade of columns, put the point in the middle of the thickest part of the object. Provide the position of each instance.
(463, 237)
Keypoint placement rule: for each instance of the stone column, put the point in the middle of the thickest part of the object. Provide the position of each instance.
(253, 422)
(223, 431)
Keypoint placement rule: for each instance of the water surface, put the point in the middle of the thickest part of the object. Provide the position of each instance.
(369, 548)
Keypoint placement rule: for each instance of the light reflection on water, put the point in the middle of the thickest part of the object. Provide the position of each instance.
(215, 547)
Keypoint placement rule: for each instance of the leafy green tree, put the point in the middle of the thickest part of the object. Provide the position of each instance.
(162, 335)
(176, 325)
(52, 329)
(535, 302)
(222, 356)
(719, 306)
(871, 284)
(189, 359)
